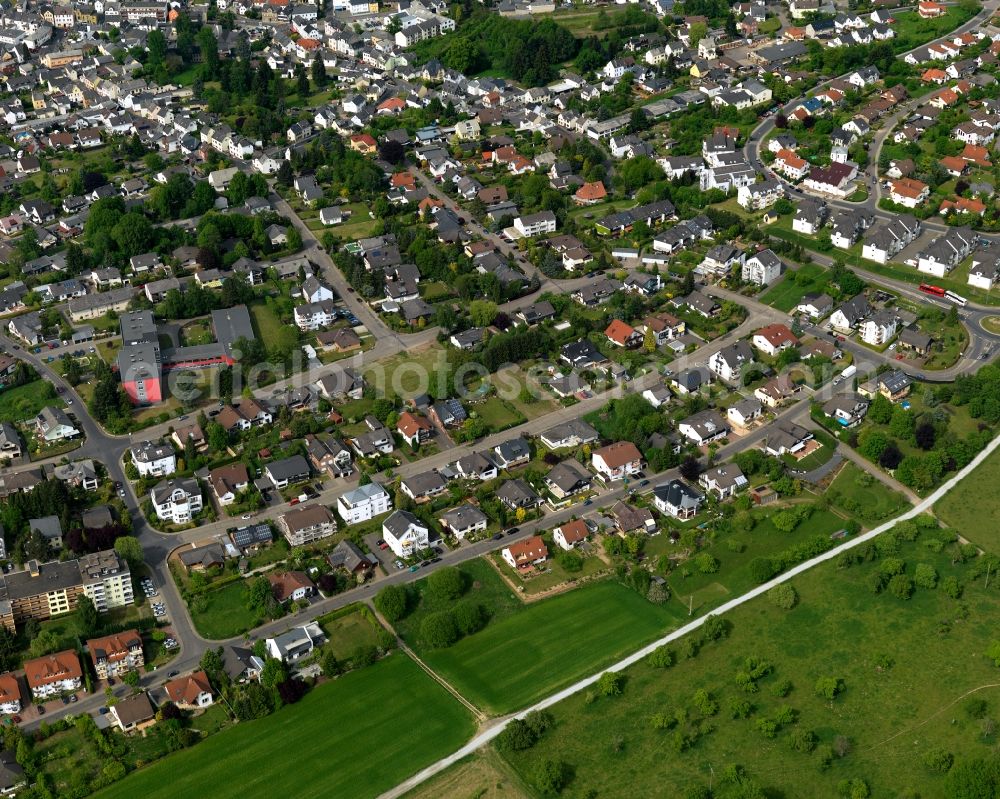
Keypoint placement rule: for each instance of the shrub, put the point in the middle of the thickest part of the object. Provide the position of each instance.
(392, 602)
(706, 563)
(516, 736)
(925, 575)
(662, 658)
(470, 617)
(611, 683)
(938, 760)
(446, 583)
(829, 687)
(763, 569)
(551, 777)
(901, 586)
(784, 596)
(438, 630)
(802, 740)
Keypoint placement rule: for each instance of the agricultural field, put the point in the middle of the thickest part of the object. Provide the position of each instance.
(547, 645)
(327, 742)
(840, 697)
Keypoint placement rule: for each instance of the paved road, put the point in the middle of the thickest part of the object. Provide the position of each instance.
(492, 732)
(756, 137)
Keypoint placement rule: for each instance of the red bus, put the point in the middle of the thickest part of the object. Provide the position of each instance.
(937, 291)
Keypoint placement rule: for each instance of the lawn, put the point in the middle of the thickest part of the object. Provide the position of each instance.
(343, 739)
(785, 295)
(346, 632)
(409, 373)
(497, 414)
(221, 613)
(972, 510)
(816, 458)
(862, 495)
(549, 644)
(551, 575)
(24, 402)
(266, 321)
(905, 666)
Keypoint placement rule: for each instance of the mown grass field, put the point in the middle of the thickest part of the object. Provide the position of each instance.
(907, 667)
(973, 506)
(547, 645)
(345, 634)
(346, 738)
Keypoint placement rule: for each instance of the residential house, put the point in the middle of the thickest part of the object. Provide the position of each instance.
(677, 499)
(724, 481)
(405, 533)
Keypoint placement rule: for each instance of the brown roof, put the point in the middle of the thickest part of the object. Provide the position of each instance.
(619, 453)
(52, 668)
(226, 478)
(410, 424)
(114, 647)
(229, 417)
(310, 515)
(284, 584)
(574, 531)
(777, 334)
(908, 187)
(619, 331)
(185, 690)
(592, 191)
(528, 550)
(134, 709)
(10, 688)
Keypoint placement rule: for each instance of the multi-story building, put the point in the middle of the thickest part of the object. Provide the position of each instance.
(106, 579)
(307, 524)
(10, 694)
(114, 655)
(177, 501)
(364, 503)
(43, 590)
(53, 675)
(154, 459)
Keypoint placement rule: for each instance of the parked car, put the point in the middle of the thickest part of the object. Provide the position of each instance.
(398, 564)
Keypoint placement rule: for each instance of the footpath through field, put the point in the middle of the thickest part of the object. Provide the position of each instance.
(489, 734)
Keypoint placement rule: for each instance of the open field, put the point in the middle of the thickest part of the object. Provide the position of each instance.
(484, 776)
(907, 669)
(222, 613)
(693, 589)
(24, 402)
(409, 373)
(347, 632)
(860, 494)
(973, 511)
(343, 739)
(548, 645)
(497, 415)
(809, 279)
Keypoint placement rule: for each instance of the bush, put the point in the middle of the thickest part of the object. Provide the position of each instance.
(802, 740)
(611, 683)
(392, 602)
(938, 760)
(763, 569)
(438, 630)
(829, 687)
(470, 617)
(706, 563)
(551, 777)
(925, 575)
(901, 586)
(784, 596)
(662, 658)
(516, 736)
(446, 583)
